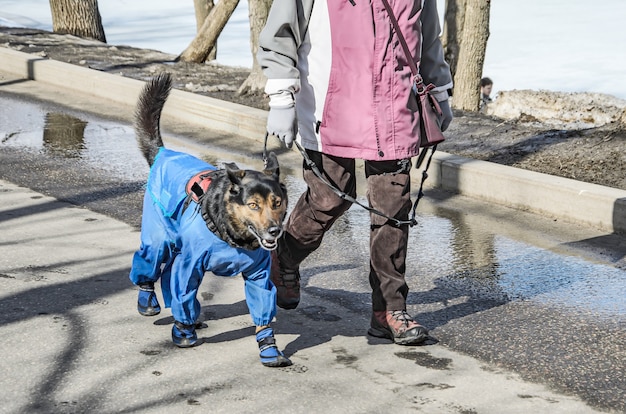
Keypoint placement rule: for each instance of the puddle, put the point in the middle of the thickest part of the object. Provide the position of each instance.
(475, 262)
(98, 143)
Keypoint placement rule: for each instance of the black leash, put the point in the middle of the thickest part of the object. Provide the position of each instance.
(410, 222)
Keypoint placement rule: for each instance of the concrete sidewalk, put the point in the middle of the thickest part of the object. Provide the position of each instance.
(73, 342)
(592, 205)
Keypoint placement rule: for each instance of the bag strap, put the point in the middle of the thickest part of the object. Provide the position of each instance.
(420, 88)
(419, 82)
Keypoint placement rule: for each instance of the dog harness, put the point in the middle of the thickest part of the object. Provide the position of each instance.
(197, 186)
(196, 189)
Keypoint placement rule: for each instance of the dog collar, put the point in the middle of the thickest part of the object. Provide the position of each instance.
(196, 189)
(222, 233)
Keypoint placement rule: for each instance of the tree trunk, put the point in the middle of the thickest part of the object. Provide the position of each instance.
(452, 31)
(206, 38)
(471, 56)
(258, 11)
(203, 8)
(77, 17)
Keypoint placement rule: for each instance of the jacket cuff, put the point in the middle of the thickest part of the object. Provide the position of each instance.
(282, 99)
(274, 86)
(440, 96)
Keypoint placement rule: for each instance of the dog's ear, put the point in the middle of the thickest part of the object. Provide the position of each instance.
(235, 175)
(271, 166)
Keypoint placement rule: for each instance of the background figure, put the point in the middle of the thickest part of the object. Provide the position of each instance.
(337, 86)
(486, 85)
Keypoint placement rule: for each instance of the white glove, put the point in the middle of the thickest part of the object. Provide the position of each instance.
(281, 122)
(446, 115)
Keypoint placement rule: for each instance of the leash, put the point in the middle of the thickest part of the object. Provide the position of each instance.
(410, 222)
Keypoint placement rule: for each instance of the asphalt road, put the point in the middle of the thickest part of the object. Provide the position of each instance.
(484, 278)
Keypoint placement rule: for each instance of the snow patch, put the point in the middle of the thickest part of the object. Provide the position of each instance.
(568, 110)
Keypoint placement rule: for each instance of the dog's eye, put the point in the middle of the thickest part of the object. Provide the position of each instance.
(278, 203)
(253, 206)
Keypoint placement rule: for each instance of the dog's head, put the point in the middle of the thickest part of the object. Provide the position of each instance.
(256, 205)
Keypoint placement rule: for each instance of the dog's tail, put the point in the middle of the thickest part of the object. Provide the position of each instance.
(148, 115)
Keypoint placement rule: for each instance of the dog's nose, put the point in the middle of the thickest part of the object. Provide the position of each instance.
(274, 231)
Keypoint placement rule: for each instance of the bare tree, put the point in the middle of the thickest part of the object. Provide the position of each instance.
(206, 38)
(258, 11)
(77, 17)
(203, 8)
(452, 31)
(471, 58)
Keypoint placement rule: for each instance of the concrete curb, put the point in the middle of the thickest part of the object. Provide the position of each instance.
(570, 200)
(575, 201)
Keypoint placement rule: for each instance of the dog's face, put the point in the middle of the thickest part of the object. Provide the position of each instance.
(256, 204)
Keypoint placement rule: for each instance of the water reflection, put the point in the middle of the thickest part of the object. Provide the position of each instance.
(474, 250)
(64, 134)
(472, 257)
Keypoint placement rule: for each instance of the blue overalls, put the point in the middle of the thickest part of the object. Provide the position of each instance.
(178, 248)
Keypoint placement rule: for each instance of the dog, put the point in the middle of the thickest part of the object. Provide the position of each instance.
(198, 218)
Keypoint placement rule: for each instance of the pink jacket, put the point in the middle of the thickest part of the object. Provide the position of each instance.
(345, 69)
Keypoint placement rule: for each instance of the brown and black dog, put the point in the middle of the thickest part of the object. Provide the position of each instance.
(198, 218)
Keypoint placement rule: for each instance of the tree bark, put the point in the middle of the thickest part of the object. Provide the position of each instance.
(77, 17)
(206, 38)
(452, 31)
(471, 56)
(203, 8)
(258, 11)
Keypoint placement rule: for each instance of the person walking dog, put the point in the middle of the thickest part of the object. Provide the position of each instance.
(340, 86)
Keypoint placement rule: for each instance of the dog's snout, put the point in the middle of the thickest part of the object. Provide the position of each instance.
(274, 231)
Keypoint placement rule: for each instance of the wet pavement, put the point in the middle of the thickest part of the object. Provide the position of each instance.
(542, 298)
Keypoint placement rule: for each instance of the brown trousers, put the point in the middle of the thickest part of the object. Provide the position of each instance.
(388, 190)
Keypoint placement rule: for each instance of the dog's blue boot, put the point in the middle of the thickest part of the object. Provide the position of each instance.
(269, 353)
(147, 302)
(184, 336)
